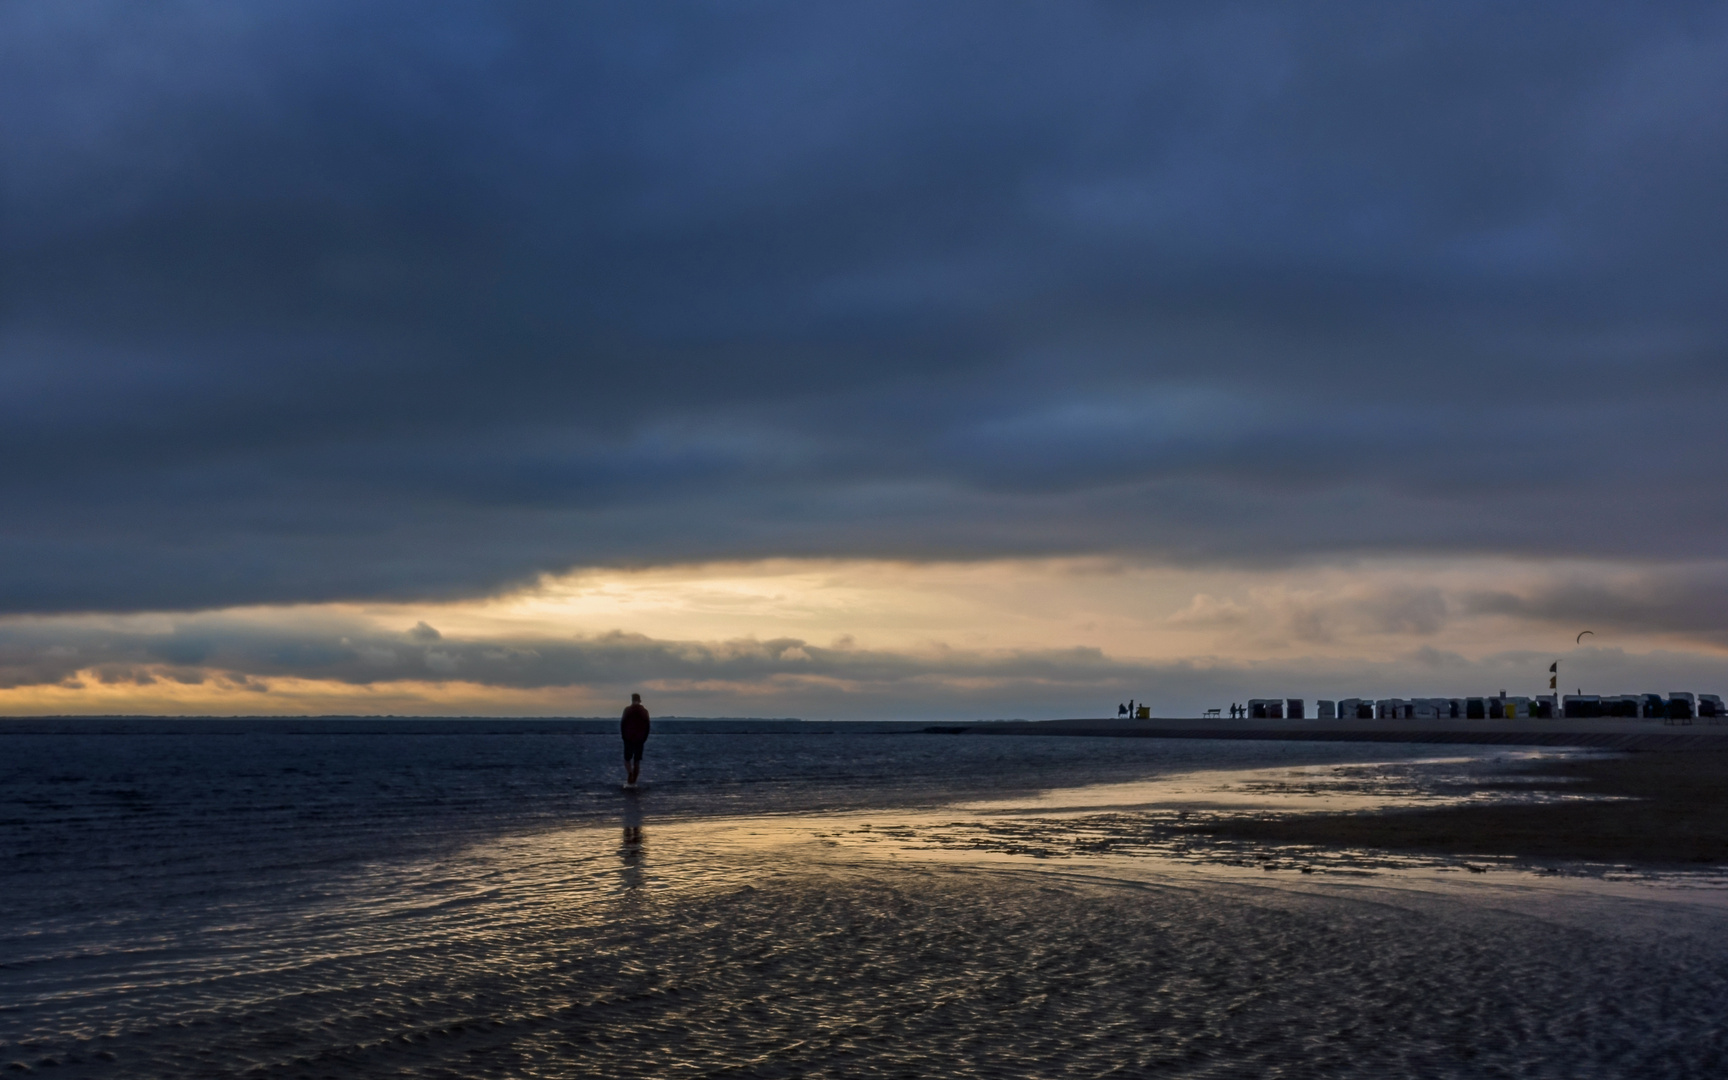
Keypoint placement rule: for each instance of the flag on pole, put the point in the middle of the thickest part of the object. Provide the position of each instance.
(1555, 666)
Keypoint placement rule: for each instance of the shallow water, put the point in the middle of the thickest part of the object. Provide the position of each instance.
(797, 905)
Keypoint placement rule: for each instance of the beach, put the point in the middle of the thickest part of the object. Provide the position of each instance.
(804, 905)
(1653, 809)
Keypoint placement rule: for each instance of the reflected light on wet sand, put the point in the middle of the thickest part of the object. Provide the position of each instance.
(1134, 831)
(1069, 932)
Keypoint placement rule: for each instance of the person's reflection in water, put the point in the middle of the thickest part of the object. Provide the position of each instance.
(632, 874)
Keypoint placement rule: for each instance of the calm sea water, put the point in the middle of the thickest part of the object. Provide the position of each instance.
(484, 899)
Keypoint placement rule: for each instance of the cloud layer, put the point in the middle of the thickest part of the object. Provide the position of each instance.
(222, 665)
(1329, 633)
(316, 301)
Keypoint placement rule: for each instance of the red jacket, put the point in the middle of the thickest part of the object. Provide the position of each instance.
(634, 725)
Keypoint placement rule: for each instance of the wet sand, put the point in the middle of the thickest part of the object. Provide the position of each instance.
(742, 949)
(1070, 931)
(1651, 809)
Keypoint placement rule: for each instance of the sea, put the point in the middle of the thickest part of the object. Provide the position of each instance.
(443, 898)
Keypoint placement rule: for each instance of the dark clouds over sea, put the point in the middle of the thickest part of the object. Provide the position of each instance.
(308, 301)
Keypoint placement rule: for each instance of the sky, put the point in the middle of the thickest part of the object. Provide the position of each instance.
(889, 360)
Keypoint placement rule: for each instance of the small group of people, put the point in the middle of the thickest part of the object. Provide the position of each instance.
(1126, 710)
(1237, 712)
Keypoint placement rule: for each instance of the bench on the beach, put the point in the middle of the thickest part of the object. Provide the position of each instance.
(1214, 712)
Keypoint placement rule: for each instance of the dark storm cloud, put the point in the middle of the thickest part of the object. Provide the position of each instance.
(309, 301)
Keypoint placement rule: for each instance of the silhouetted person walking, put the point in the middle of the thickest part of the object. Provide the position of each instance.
(634, 728)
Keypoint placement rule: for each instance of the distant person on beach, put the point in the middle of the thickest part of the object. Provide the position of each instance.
(1121, 711)
(634, 728)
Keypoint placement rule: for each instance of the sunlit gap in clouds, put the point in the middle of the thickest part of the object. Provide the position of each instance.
(885, 639)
